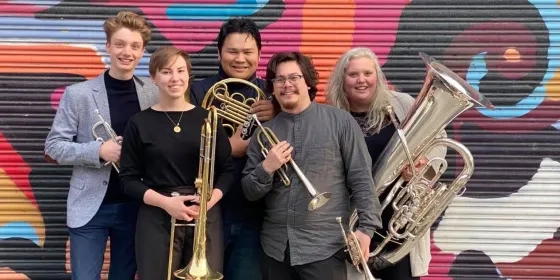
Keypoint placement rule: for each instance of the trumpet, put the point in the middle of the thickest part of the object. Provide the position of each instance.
(319, 199)
(354, 251)
(109, 131)
(198, 267)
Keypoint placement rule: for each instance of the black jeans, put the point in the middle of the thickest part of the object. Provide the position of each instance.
(333, 268)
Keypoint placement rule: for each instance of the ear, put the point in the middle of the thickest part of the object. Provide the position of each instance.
(107, 45)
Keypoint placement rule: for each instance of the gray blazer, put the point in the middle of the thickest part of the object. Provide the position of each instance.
(70, 142)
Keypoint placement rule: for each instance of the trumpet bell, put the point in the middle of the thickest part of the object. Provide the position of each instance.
(318, 201)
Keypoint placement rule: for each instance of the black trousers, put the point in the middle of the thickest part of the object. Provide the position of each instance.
(333, 268)
(153, 230)
(400, 270)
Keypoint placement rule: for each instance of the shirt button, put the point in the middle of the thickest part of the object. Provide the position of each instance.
(104, 183)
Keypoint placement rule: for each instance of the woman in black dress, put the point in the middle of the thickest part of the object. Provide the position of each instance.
(160, 155)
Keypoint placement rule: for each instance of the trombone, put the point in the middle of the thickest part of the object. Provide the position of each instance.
(319, 199)
(109, 132)
(198, 267)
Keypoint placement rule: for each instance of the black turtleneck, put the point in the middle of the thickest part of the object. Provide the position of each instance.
(123, 103)
(376, 142)
(234, 205)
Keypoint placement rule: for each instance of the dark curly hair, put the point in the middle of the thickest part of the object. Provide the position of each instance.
(307, 69)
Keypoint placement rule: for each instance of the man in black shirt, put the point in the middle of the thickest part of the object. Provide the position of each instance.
(97, 208)
(239, 46)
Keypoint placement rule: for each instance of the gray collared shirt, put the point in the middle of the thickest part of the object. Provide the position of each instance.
(330, 150)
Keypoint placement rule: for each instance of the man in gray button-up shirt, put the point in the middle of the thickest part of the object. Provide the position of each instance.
(328, 146)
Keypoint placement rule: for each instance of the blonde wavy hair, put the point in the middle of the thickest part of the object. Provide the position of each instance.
(337, 97)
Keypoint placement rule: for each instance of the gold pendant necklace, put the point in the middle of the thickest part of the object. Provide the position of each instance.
(177, 128)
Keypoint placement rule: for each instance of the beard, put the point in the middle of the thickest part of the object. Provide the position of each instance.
(291, 103)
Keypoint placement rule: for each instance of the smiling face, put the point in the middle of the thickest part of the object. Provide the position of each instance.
(173, 79)
(239, 55)
(290, 88)
(360, 81)
(125, 48)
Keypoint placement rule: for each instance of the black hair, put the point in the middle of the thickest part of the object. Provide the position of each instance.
(239, 25)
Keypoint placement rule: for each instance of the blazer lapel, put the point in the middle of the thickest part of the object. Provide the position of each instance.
(101, 100)
(143, 95)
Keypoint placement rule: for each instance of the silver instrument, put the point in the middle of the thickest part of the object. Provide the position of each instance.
(109, 131)
(419, 202)
(318, 199)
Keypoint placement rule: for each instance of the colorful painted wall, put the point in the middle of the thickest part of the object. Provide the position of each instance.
(505, 226)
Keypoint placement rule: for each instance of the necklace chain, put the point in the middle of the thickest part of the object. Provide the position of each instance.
(177, 128)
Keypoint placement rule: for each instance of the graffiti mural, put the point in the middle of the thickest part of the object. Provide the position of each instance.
(505, 226)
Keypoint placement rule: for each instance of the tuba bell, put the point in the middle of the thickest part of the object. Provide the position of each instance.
(198, 267)
(419, 202)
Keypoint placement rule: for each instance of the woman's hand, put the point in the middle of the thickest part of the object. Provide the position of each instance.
(175, 206)
(419, 164)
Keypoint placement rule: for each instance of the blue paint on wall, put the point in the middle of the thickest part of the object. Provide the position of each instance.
(19, 229)
(214, 12)
(477, 70)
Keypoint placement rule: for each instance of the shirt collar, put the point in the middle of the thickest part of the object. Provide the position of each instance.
(303, 113)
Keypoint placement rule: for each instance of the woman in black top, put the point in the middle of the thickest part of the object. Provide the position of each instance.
(358, 85)
(160, 155)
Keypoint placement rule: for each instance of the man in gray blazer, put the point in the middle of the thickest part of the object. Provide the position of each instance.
(96, 207)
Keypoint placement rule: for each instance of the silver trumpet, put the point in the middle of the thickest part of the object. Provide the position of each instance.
(319, 199)
(109, 131)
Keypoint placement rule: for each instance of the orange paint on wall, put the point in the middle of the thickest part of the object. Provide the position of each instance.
(326, 34)
(51, 58)
(552, 88)
(9, 274)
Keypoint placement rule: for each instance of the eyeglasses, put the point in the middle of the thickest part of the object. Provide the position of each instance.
(281, 80)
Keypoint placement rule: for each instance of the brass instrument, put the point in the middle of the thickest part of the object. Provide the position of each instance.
(237, 112)
(418, 203)
(319, 199)
(231, 108)
(355, 252)
(109, 131)
(198, 267)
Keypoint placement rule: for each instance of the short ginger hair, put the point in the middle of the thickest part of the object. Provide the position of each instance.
(129, 20)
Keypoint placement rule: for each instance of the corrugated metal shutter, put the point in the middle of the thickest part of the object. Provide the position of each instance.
(505, 224)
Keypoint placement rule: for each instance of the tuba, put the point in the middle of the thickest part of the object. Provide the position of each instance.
(198, 267)
(231, 108)
(109, 131)
(318, 199)
(419, 202)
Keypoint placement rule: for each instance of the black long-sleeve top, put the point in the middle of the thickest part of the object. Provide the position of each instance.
(123, 103)
(155, 157)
